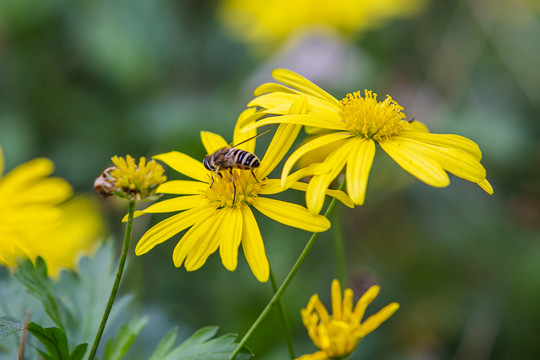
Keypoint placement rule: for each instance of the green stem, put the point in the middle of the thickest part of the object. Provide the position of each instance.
(339, 249)
(119, 271)
(285, 282)
(283, 316)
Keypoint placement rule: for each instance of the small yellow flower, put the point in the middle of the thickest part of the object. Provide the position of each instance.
(354, 126)
(220, 218)
(130, 180)
(35, 221)
(337, 335)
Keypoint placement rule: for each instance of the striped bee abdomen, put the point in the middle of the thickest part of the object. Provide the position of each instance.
(246, 161)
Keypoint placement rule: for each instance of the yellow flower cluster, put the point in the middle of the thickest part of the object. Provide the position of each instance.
(216, 205)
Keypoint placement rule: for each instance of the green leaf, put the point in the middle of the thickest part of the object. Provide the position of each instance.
(34, 277)
(116, 348)
(78, 352)
(165, 345)
(55, 342)
(202, 346)
(8, 326)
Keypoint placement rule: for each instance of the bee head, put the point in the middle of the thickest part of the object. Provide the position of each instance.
(206, 162)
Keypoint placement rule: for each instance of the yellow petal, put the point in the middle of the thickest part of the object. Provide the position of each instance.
(307, 120)
(204, 242)
(338, 194)
(176, 204)
(25, 174)
(319, 355)
(291, 214)
(312, 169)
(310, 146)
(212, 142)
(253, 246)
(43, 190)
(247, 117)
(267, 88)
(298, 82)
(169, 227)
(347, 305)
(377, 319)
(184, 164)
(319, 184)
(272, 100)
(283, 139)
(271, 186)
(196, 235)
(486, 186)
(228, 249)
(358, 167)
(182, 187)
(336, 300)
(417, 126)
(456, 161)
(281, 143)
(278, 103)
(418, 165)
(136, 214)
(446, 140)
(364, 301)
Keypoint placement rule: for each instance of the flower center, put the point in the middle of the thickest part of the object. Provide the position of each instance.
(368, 118)
(222, 192)
(340, 338)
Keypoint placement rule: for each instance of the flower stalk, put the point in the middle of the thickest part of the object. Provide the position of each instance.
(283, 317)
(116, 285)
(339, 248)
(285, 283)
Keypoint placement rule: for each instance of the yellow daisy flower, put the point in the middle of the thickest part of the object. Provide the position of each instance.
(273, 20)
(34, 222)
(220, 216)
(337, 335)
(354, 125)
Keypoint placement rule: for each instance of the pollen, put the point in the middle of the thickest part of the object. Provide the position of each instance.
(369, 118)
(222, 192)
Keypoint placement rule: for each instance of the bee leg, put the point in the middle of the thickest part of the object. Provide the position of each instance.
(217, 169)
(233, 184)
(252, 173)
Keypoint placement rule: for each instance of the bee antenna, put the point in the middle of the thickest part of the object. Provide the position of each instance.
(251, 138)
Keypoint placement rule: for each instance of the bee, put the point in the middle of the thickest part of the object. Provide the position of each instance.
(229, 158)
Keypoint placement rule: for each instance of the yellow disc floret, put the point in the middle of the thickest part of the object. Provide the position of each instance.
(222, 191)
(368, 118)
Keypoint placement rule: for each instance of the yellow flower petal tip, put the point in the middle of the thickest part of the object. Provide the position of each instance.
(337, 335)
(351, 128)
(486, 186)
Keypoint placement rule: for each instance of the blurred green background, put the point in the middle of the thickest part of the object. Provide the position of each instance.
(83, 80)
